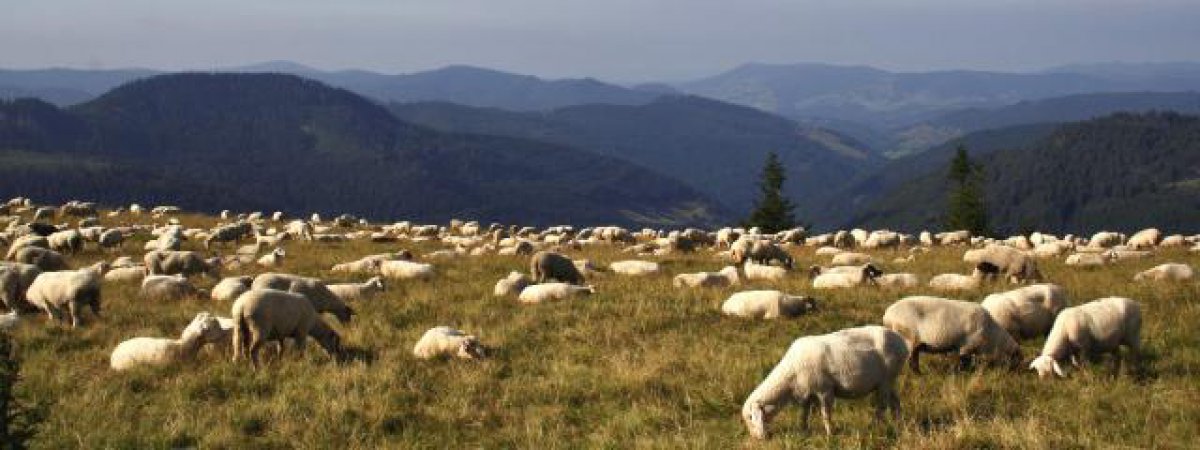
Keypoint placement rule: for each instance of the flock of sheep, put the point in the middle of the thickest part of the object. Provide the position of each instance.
(36, 276)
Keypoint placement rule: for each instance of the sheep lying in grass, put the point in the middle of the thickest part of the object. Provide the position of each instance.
(539, 293)
(1089, 330)
(168, 287)
(229, 288)
(850, 259)
(262, 315)
(815, 370)
(767, 304)
(952, 282)
(726, 277)
(755, 271)
(898, 281)
(187, 263)
(69, 291)
(864, 275)
(512, 284)
(406, 270)
(546, 265)
(125, 274)
(444, 341)
(634, 268)
(1027, 312)
(1089, 259)
(161, 351)
(1166, 272)
(357, 291)
(938, 325)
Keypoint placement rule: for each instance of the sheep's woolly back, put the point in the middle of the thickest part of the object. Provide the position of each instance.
(1098, 326)
(444, 341)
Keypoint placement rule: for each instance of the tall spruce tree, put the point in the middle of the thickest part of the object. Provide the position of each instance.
(772, 211)
(966, 209)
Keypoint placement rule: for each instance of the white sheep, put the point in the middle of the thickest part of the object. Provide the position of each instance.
(1027, 312)
(445, 341)
(1166, 272)
(229, 288)
(939, 325)
(539, 293)
(755, 271)
(850, 363)
(864, 275)
(898, 281)
(161, 351)
(1089, 330)
(167, 287)
(634, 268)
(125, 274)
(273, 259)
(262, 315)
(69, 291)
(1089, 259)
(726, 277)
(512, 284)
(357, 291)
(405, 270)
(767, 304)
(952, 282)
(850, 259)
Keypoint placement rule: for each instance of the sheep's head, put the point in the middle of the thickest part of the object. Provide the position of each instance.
(756, 416)
(1046, 366)
(377, 283)
(470, 348)
(870, 273)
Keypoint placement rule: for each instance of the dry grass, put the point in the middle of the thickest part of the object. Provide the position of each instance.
(639, 364)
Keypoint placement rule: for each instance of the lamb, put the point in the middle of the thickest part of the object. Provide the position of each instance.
(405, 270)
(186, 263)
(1027, 312)
(850, 259)
(850, 363)
(228, 289)
(634, 267)
(755, 271)
(140, 351)
(939, 325)
(1014, 264)
(767, 305)
(1166, 272)
(273, 259)
(357, 291)
(865, 275)
(1091, 329)
(44, 259)
(512, 284)
(262, 315)
(323, 300)
(71, 290)
(539, 293)
(726, 277)
(763, 252)
(547, 265)
(444, 341)
(898, 281)
(167, 287)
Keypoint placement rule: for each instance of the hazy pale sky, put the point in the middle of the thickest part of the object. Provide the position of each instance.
(623, 40)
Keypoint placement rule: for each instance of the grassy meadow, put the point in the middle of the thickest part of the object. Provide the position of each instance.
(639, 364)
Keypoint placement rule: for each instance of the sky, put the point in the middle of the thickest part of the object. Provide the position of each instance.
(618, 40)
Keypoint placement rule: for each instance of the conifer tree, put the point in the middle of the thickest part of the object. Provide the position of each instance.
(966, 209)
(773, 211)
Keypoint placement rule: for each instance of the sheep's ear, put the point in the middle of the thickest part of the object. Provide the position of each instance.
(1058, 370)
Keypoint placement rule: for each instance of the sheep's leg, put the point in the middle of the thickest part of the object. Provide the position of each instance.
(826, 400)
(894, 403)
(914, 357)
(73, 312)
(300, 340)
(806, 407)
(256, 345)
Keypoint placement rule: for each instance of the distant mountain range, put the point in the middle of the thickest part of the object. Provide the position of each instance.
(254, 141)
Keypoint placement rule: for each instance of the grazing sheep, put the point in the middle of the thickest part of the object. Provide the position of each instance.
(357, 291)
(726, 277)
(405, 270)
(273, 259)
(1166, 272)
(69, 291)
(15, 279)
(68, 241)
(45, 259)
(767, 305)
(763, 252)
(538, 293)
(1027, 312)
(634, 268)
(448, 342)
(1089, 330)
(512, 284)
(1105, 239)
(1016, 265)
(1145, 239)
(547, 265)
(759, 272)
(262, 315)
(30, 240)
(140, 351)
(228, 289)
(898, 281)
(229, 233)
(323, 300)
(850, 259)
(167, 287)
(865, 275)
(938, 325)
(815, 370)
(111, 238)
(186, 263)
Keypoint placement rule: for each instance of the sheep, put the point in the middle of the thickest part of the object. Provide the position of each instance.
(547, 265)
(111, 238)
(512, 284)
(1014, 264)
(360, 266)
(1089, 259)
(186, 263)
(140, 351)
(444, 341)
(755, 271)
(1089, 330)
(30, 240)
(357, 291)
(1105, 239)
(939, 325)
(1027, 312)
(726, 277)
(228, 289)
(323, 300)
(898, 281)
(1148, 238)
(849, 363)
(67, 241)
(1166, 272)
(44, 259)
(167, 287)
(850, 259)
(865, 275)
(70, 290)
(16, 283)
(229, 233)
(767, 305)
(538, 293)
(634, 267)
(273, 259)
(262, 315)
(763, 252)
(950, 282)
(405, 270)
